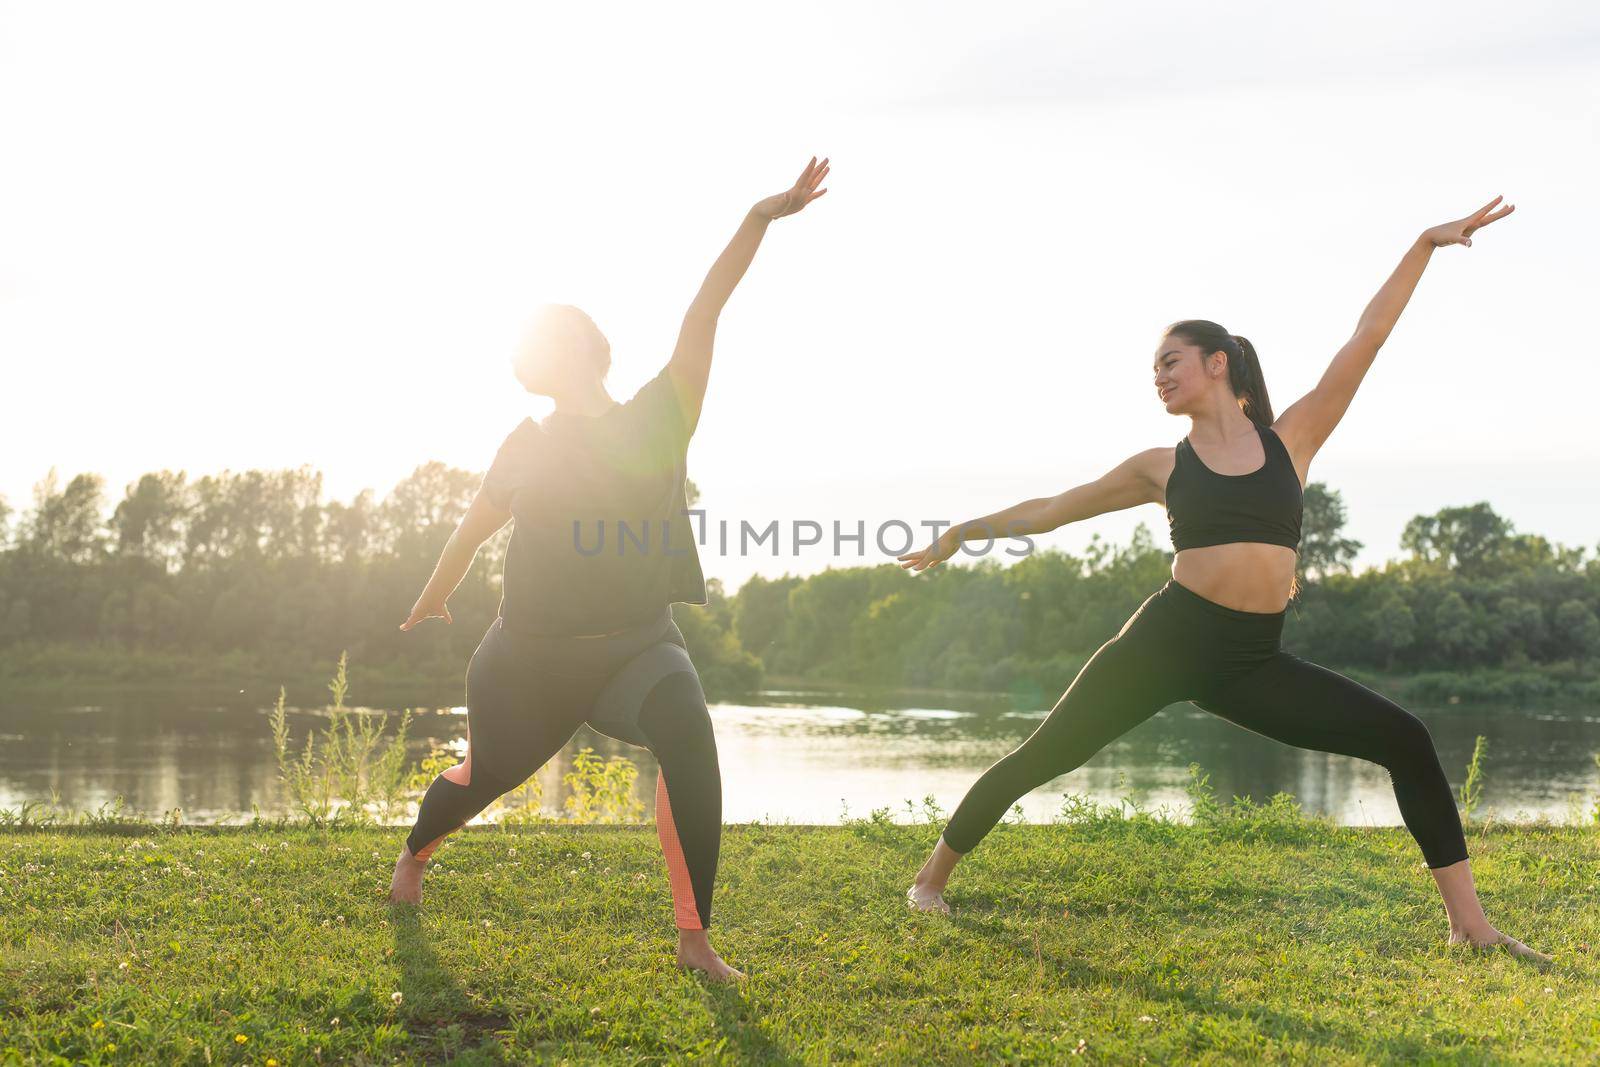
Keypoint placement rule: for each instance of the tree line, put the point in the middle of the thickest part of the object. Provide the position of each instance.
(258, 562)
(1470, 593)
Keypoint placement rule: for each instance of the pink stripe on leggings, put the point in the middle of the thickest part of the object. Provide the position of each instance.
(683, 907)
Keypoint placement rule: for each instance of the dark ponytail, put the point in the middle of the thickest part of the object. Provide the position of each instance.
(1244, 369)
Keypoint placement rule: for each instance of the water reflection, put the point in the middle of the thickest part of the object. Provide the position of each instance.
(788, 760)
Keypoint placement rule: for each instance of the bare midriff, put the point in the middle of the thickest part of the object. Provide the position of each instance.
(1245, 575)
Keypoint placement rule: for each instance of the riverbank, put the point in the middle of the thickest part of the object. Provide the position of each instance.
(51, 671)
(54, 670)
(1558, 688)
(1258, 935)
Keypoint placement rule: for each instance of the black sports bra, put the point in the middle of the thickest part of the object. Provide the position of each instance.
(1207, 508)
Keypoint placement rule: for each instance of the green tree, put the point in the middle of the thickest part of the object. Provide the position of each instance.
(1577, 631)
(291, 514)
(205, 534)
(1323, 550)
(1457, 629)
(67, 524)
(1393, 627)
(350, 530)
(1518, 625)
(1469, 540)
(16, 619)
(419, 515)
(148, 523)
(707, 630)
(761, 612)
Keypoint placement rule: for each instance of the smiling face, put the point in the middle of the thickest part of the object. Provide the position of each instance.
(1184, 374)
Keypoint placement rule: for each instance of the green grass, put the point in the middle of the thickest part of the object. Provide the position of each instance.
(1259, 937)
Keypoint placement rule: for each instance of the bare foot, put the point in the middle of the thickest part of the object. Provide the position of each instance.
(1490, 938)
(695, 952)
(927, 888)
(406, 886)
(926, 898)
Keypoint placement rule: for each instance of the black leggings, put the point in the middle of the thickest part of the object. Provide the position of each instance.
(527, 695)
(1181, 646)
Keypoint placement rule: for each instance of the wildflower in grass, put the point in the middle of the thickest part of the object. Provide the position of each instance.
(99, 1024)
(241, 1039)
(396, 996)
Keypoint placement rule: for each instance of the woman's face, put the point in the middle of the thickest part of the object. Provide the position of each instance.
(1181, 374)
(539, 363)
(555, 356)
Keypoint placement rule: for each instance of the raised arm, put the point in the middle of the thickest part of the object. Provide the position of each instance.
(1305, 426)
(1134, 481)
(691, 359)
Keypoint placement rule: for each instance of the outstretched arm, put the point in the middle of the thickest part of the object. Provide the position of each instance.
(1305, 426)
(1130, 483)
(483, 518)
(691, 360)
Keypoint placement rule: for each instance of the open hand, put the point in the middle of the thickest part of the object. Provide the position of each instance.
(932, 556)
(426, 610)
(1460, 231)
(803, 192)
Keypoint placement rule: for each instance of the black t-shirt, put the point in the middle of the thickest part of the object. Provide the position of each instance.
(601, 538)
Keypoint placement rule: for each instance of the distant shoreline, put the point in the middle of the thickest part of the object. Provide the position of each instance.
(248, 679)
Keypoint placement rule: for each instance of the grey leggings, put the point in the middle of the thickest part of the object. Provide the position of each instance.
(1180, 646)
(528, 694)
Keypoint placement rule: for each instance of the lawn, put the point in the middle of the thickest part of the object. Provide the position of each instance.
(1261, 936)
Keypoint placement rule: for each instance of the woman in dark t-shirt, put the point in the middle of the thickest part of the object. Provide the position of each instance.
(601, 547)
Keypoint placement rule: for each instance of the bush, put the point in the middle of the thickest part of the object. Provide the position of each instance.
(354, 772)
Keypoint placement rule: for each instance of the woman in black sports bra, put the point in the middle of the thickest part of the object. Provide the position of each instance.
(1211, 635)
(600, 548)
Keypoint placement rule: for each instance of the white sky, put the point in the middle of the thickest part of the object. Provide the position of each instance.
(261, 236)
